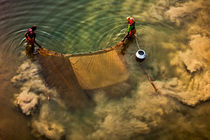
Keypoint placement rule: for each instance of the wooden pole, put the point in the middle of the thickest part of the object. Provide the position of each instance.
(148, 77)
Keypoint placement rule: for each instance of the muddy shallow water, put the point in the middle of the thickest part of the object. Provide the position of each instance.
(175, 36)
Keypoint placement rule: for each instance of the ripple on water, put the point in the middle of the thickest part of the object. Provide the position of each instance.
(65, 27)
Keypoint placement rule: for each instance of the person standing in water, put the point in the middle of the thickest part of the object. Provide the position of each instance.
(30, 38)
(131, 28)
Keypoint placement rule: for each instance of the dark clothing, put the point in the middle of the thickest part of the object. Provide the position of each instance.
(30, 36)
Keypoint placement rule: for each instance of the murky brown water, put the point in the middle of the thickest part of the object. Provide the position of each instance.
(13, 125)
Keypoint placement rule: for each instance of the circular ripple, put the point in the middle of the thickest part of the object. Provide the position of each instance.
(64, 26)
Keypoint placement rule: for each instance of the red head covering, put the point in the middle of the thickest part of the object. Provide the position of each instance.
(130, 20)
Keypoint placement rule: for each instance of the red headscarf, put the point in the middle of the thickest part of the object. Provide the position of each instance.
(130, 20)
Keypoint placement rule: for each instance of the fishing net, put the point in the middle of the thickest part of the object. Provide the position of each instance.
(58, 73)
(99, 70)
(91, 70)
(74, 74)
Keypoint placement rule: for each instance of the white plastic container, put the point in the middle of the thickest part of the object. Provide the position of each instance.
(140, 55)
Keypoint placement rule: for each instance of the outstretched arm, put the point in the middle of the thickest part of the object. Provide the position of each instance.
(37, 44)
(26, 35)
(125, 37)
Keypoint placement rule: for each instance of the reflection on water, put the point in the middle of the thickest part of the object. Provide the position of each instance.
(170, 32)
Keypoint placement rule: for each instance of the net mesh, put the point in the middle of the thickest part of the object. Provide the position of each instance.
(93, 70)
(74, 74)
(99, 70)
(58, 73)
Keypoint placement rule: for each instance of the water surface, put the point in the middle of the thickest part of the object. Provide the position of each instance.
(81, 26)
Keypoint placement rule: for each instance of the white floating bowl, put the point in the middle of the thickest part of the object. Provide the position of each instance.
(140, 55)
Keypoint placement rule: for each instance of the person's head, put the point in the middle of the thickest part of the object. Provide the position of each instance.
(130, 20)
(33, 27)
